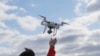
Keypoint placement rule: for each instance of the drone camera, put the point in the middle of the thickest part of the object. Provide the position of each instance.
(55, 23)
(48, 22)
(49, 31)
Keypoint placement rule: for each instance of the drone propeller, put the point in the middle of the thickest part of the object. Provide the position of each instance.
(43, 17)
(64, 23)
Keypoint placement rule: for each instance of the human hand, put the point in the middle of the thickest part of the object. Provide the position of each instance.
(52, 42)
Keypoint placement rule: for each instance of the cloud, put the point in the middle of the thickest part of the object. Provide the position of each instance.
(95, 36)
(80, 7)
(22, 9)
(88, 19)
(19, 42)
(90, 5)
(14, 39)
(5, 7)
(33, 5)
(77, 9)
(6, 34)
(77, 39)
(87, 44)
(2, 25)
(5, 1)
(10, 39)
(6, 51)
(84, 1)
(89, 48)
(28, 22)
(93, 5)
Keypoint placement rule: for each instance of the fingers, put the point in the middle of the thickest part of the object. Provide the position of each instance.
(55, 38)
(53, 41)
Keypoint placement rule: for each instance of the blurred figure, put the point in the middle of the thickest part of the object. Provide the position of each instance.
(27, 52)
(51, 52)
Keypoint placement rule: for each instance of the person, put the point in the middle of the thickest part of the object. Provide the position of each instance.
(51, 52)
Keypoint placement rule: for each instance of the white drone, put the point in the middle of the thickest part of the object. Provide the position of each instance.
(51, 25)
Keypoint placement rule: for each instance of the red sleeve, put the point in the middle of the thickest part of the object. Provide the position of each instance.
(51, 52)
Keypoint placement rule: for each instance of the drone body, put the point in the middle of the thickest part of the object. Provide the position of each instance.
(51, 25)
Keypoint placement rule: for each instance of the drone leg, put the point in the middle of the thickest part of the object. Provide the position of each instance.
(44, 29)
(55, 30)
(41, 23)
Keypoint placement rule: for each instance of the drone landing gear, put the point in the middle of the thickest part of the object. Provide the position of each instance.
(55, 31)
(50, 31)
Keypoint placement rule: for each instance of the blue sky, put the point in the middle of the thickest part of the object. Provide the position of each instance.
(56, 8)
(20, 26)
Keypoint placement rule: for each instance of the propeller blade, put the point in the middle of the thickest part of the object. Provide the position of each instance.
(64, 23)
(44, 18)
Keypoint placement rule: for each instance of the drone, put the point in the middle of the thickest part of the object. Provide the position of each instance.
(51, 25)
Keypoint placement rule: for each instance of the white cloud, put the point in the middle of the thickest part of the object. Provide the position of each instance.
(93, 5)
(14, 39)
(33, 5)
(84, 1)
(70, 46)
(77, 9)
(95, 36)
(83, 43)
(87, 19)
(19, 42)
(5, 1)
(90, 5)
(28, 22)
(80, 8)
(5, 7)
(2, 25)
(77, 38)
(6, 51)
(22, 9)
(6, 34)
(3, 14)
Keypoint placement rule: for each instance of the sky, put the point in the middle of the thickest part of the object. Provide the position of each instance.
(20, 27)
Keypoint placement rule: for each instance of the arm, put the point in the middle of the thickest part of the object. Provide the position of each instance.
(51, 51)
